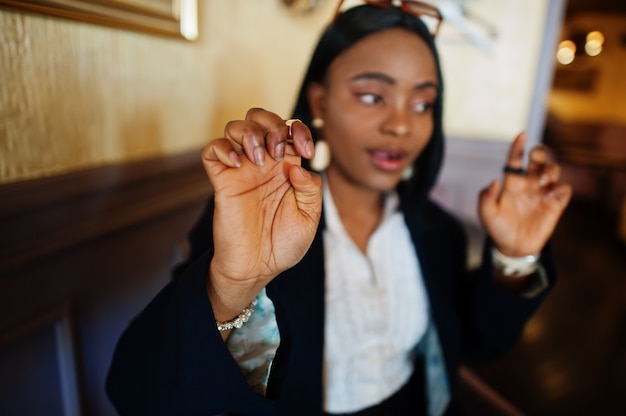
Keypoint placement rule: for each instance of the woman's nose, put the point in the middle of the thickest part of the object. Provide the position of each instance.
(396, 122)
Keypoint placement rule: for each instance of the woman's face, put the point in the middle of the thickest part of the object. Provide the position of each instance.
(377, 106)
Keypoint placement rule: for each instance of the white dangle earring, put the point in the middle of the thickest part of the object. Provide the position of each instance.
(321, 160)
(317, 123)
(407, 173)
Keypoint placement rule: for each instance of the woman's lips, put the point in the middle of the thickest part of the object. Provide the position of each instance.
(388, 160)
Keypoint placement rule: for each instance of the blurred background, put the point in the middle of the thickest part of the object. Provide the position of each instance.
(102, 118)
(572, 357)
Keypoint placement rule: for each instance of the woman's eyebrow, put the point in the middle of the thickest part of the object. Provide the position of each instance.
(391, 81)
(426, 85)
(375, 76)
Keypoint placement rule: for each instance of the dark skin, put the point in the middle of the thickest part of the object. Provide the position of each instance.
(376, 103)
(266, 209)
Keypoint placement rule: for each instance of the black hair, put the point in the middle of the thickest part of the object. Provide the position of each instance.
(349, 27)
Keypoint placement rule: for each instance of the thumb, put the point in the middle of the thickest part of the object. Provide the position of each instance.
(488, 200)
(308, 190)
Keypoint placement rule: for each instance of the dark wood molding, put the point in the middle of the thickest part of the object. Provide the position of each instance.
(41, 216)
(177, 19)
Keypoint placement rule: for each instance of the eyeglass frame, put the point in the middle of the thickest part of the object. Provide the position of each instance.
(433, 10)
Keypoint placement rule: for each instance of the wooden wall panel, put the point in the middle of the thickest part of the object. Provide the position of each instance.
(82, 254)
(39, 366)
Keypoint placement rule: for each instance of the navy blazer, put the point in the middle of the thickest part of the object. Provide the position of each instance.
(171, 360)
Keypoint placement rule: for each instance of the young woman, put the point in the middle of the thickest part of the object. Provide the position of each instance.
(365, 308)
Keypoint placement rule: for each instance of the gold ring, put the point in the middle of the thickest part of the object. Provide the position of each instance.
(290, 122)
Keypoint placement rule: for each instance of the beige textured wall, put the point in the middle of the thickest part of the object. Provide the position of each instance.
(75, 95)
(489, 93)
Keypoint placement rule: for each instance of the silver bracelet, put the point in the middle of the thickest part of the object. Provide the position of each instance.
(538, 283)
(514, 266)
(238, 322)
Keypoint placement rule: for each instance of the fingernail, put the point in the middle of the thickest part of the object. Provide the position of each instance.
(308, 148)
(234, 157)
(259, 156)
(543, 180)
(279, 151)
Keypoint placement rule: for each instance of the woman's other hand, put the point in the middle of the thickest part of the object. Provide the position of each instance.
(521, 214)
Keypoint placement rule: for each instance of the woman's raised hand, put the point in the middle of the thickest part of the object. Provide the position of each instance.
(521, 214)
(267, 207)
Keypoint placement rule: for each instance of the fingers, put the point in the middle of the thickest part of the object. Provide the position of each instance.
(488, 200)
(261, 133)
(542, 175)
(302, 139)
(279, 135)
(560, 193)
(247, 137)
(219, 150)
(274, 134)
(515, 158)
(541, 166)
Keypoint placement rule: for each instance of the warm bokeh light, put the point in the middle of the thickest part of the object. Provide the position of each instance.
(566, 52)
(593, 48)
(593, 45)
(595, 36)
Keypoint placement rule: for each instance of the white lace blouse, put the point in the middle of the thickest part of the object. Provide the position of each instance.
(376, 310)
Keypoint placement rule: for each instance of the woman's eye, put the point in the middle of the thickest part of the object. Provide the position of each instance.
(369, 98)
(422, 107)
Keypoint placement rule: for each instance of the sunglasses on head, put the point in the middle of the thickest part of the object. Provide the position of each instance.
(427, 12)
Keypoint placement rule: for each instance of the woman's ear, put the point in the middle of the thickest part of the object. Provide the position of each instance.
(316, 94)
